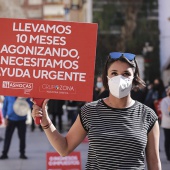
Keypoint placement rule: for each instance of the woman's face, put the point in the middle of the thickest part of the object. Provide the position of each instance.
(120, 68)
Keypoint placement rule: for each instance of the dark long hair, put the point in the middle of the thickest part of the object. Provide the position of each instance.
(160, 88)
(137, 81)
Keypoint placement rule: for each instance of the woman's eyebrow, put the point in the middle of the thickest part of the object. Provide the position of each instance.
(127, 71)
(113, 70)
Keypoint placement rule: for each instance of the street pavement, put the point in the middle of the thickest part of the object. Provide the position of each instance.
(37, 146)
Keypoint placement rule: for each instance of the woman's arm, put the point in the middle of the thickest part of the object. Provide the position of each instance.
(63, 145)
(152, 149)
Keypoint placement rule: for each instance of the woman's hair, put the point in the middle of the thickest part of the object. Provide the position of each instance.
(137, 81)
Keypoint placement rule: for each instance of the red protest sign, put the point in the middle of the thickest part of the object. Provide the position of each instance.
(56, 162)
(47, 59)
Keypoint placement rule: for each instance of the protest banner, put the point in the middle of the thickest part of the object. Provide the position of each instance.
(56, 162)
(47, 59)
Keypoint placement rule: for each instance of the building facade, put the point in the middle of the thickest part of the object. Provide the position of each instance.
(164, 26)
(61, 10)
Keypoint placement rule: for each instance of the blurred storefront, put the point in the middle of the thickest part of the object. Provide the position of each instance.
(61, 10)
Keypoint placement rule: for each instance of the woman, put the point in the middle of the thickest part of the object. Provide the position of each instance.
(120, 130)
(165, 123)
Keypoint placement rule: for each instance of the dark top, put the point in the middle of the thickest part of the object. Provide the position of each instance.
(55, 106)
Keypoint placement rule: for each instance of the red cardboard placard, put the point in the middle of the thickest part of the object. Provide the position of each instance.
(56, 162)
(47, 59)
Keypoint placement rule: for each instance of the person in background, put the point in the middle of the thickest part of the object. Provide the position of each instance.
(95, 92)
(155, 95)
(101, 92)
(72, 111)
(1, 115)
(156, 92)
(12, 121)
(121, 131)
(165, 123)
(55, 109)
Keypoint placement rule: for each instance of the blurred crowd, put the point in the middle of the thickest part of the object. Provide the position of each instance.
(151, 95)
(14, 112)
(56, 109)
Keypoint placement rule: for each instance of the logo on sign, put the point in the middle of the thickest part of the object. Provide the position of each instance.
(59, 89)
(17, 85)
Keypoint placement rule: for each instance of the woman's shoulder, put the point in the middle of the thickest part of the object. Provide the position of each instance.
(91, 104)
(149, 116)
(144, 107)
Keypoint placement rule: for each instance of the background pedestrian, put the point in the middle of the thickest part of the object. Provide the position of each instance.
(15, 120)
(165, 122)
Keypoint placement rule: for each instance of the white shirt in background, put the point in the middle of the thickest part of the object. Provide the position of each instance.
(165, 109)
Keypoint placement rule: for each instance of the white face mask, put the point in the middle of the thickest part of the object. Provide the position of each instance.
(120, 86)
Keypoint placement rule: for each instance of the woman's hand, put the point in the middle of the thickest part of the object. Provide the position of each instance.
(40, 112)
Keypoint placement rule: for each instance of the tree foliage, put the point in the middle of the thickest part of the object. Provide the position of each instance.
(134, 29)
